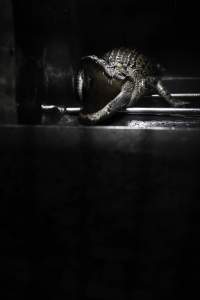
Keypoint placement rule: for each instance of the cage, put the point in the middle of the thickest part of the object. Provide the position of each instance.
(109, 211)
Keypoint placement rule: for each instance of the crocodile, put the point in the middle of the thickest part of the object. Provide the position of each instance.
(124, 75)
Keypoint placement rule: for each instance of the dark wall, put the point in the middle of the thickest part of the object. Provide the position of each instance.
(7, 77)
(51, 37)
(45, 55)
(165, 30)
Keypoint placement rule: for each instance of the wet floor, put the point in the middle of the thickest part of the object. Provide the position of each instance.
(150, 113)
(155, 121)
(134, 120)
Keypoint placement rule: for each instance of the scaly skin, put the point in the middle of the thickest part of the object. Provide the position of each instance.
(123, 70)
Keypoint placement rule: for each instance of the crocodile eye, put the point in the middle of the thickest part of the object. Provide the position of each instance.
(119, 65)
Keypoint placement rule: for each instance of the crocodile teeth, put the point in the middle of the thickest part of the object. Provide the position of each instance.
(110, 81)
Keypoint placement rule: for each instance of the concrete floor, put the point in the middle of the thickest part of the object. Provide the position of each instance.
(99, 212)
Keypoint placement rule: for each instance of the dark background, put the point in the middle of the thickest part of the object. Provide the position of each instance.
(7, 81)
(164, 29)
(51, 37)
(167, 30)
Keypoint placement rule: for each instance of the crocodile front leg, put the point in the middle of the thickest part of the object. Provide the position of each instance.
(119, 102)
(138, 91)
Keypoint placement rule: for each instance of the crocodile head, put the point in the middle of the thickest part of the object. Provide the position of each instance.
(95, 89)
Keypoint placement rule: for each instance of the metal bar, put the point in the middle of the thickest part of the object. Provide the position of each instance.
(73, 109)
(138, 110)
(162, 110)
(183, 95)
(132, 110)
(179, 78)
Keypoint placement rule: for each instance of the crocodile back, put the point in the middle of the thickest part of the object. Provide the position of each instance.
(130, 58)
